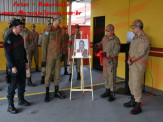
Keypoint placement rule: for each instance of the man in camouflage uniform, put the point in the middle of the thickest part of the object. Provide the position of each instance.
(27, 36)
(138, 56)
(34, 46)
(65, 49)
(111, 47)
(52, 52)
(71, 46)
(48, 26)
(8, 30)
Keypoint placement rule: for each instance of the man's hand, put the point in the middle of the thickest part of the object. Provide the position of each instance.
(43, 64)
(14, 70)
(96, 48)
(129, 61)
(26, 66)
(134, 59)
(103, 54)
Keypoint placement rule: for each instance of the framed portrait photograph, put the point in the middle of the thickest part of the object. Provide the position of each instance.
(81, 50)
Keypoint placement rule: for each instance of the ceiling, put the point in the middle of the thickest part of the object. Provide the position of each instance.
(81, 0)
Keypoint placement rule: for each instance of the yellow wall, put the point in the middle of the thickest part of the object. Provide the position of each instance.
(121, 13)
(39, 28)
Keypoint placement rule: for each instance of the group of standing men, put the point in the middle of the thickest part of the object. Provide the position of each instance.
(30, 45)
(137, 59)
(21, 44)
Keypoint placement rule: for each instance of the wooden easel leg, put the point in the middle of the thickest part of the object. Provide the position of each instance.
(82, 75)
(72, 78)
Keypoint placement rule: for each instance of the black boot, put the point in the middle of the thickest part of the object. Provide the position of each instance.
(11, 107)
(52, 78)
(42, 79)
(23, 102)
(47, 99)
(37, 69)
(131, 103)
(70, 78)
(29, 82)
(78, 77)
(65, 73)
(106, 93)
(111, 96)
(58, 94)
(137, 109)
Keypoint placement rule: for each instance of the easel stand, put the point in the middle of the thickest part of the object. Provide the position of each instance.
(82, 74)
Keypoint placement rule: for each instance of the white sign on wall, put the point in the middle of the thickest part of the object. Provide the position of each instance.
(130, 36)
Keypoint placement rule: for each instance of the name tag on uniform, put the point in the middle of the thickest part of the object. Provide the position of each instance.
(46, 33)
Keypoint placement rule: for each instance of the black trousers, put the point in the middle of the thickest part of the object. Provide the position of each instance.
(18, 80)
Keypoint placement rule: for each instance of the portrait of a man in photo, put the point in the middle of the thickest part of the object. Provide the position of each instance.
(82, 49)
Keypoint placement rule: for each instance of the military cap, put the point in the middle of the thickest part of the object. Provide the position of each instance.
(64, 27)
(58, 17)
(12, 19)
(22, 19)
(137, 23)
(47, 22)
(77, 26)
(33, 25)
(109, 27)
(16, 22)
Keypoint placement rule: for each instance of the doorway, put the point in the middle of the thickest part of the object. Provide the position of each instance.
(98, 34)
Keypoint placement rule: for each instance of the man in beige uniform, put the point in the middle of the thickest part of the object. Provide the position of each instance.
(52, 52)
(27, 36)
(8, 30)
(48, 26)
(65, 49)
(138, 56)
(71, 46)
(111, 47)
(34, 47)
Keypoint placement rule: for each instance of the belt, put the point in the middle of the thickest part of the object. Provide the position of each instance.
(113, 58)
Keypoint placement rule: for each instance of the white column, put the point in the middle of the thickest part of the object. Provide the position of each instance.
(69, 20)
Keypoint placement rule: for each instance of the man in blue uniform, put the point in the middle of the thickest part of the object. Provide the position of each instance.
(17, 63)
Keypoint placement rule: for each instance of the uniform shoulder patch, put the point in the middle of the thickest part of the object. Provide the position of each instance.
(46, 33)
(8, 42)
(144, 39)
